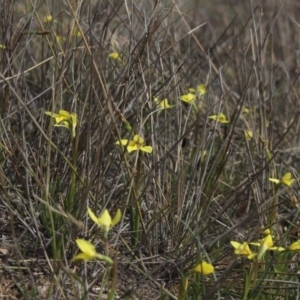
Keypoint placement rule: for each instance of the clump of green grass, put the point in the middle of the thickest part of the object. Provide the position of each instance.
(183, 125)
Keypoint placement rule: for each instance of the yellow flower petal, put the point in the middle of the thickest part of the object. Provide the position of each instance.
(267, 231)
(135, 144)
(147, 149)
(114, 55)
(266, 244)
(235, 245)
(83, 256)
(62, 124)
(51, 114)
(213, 117)
(117, 56)
(48, 18)
(201, 89)
(117, 218)
(92, 216)
(64, 113)
(89, 252)
(255, 244)
(222, 118)
(251, 256)
(242, 249)
(188, 98)
(122, 142)
(163, 104)
(204, 268)
(248, 135)
(279, 249)
(277, 181)
(131, 148)
(287, 179)
(219, 118)
(105, 220)
(86, 247)
(294, 246)
(138, 140)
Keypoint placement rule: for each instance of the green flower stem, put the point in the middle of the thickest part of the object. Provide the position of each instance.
(274, 203)
(248, 279)
(195, 107)
(106, 247)
(196, 135)
(60, 242)
(106, 259)
(132, 223)
(273, 209)
(111, 294)
(72, 190)
(135, 209)
(246, 287)
(182, 288)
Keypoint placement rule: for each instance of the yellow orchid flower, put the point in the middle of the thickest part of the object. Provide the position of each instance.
(162, 104)
(188, 98)
(115, 56)
(137, 143)
(242, 249)
(266, 244)
(221, 118)
(204, 268)
(286, 179)
(88, 252)
(65, 119)
(201, 90)
(105, 221)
